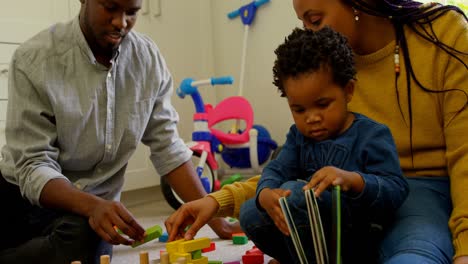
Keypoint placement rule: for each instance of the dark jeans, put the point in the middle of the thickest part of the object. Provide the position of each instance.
(32, 234)
(358, 240)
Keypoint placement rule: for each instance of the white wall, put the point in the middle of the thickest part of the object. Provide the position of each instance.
(197, 40)
(272, 23)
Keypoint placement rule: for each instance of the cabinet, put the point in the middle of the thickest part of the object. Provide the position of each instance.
(181, 29)
(21, 19)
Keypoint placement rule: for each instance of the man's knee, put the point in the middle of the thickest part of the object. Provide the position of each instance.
(74, 239)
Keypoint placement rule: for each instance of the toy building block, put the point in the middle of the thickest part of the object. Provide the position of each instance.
(150, 234)
(184, 246)
(232, 262)
(234, 178)
(164, 258)
(252, 259)
(239, 239)
(181, 260)
(196, 254)
(215, 262)
(253, 251)
(212, 247)
(173, 246)
(144, 257)
(164, 237)
(105, 259)
(176, 256)
(202, 260)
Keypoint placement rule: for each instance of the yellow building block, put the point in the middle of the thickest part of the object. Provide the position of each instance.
(173, 257)
(173, 246)
(202, 260)
(195, 244)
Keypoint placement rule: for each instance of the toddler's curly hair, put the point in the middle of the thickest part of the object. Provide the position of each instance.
(305, 51)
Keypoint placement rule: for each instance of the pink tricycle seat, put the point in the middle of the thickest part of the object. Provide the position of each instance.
(232, 108)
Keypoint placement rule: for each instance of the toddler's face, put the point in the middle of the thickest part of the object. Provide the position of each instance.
(318, 105)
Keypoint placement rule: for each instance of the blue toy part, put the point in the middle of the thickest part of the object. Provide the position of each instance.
(222, 80)
(216, 145)
(247, 12)
(240, 157)
(186, 88)
(206, 184)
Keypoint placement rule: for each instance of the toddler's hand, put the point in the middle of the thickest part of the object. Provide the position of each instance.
(268, 199)
(331, 176)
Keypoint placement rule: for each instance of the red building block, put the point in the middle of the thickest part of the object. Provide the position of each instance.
(212, 247)
(252, 259)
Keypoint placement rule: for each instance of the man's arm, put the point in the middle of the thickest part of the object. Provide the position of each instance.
(185, 182)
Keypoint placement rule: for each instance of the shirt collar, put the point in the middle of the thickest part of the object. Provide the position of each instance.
(84, 46)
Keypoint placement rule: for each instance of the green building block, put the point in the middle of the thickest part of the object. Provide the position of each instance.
(197, 254)
(215, 262)
(240, 240)
(151, 234)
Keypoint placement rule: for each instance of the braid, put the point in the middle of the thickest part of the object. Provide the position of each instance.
(414, 15)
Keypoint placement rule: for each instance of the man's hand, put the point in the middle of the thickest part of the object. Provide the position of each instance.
(331, 176)
(102, 215)
(109, 215)
(195, 213)
(268, 199)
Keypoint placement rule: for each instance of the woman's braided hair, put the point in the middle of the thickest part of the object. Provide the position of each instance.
(415, 16)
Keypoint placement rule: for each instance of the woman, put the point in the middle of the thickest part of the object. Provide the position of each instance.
(412, 76)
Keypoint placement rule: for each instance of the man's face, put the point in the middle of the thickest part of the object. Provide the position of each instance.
(106, 22)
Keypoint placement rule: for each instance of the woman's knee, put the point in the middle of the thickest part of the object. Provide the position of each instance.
(422, 249)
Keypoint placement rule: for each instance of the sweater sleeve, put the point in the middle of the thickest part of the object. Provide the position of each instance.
(456, 136)
(232, 196)
(385, 187)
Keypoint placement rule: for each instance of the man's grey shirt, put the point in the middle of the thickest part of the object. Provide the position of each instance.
(70, 117)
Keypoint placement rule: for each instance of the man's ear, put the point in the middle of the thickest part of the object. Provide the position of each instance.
(349, 90)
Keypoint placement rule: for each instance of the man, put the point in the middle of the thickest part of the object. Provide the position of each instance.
(82, 95)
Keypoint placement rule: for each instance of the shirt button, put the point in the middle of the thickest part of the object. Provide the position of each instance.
(109, 75)
(108, 147)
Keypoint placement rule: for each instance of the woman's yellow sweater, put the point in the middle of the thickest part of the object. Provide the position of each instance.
(440, 120)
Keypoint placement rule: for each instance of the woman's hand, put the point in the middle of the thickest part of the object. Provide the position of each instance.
(268, 199)
(461, 260)
(223, 228)
(196, 213)
(109, 215)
